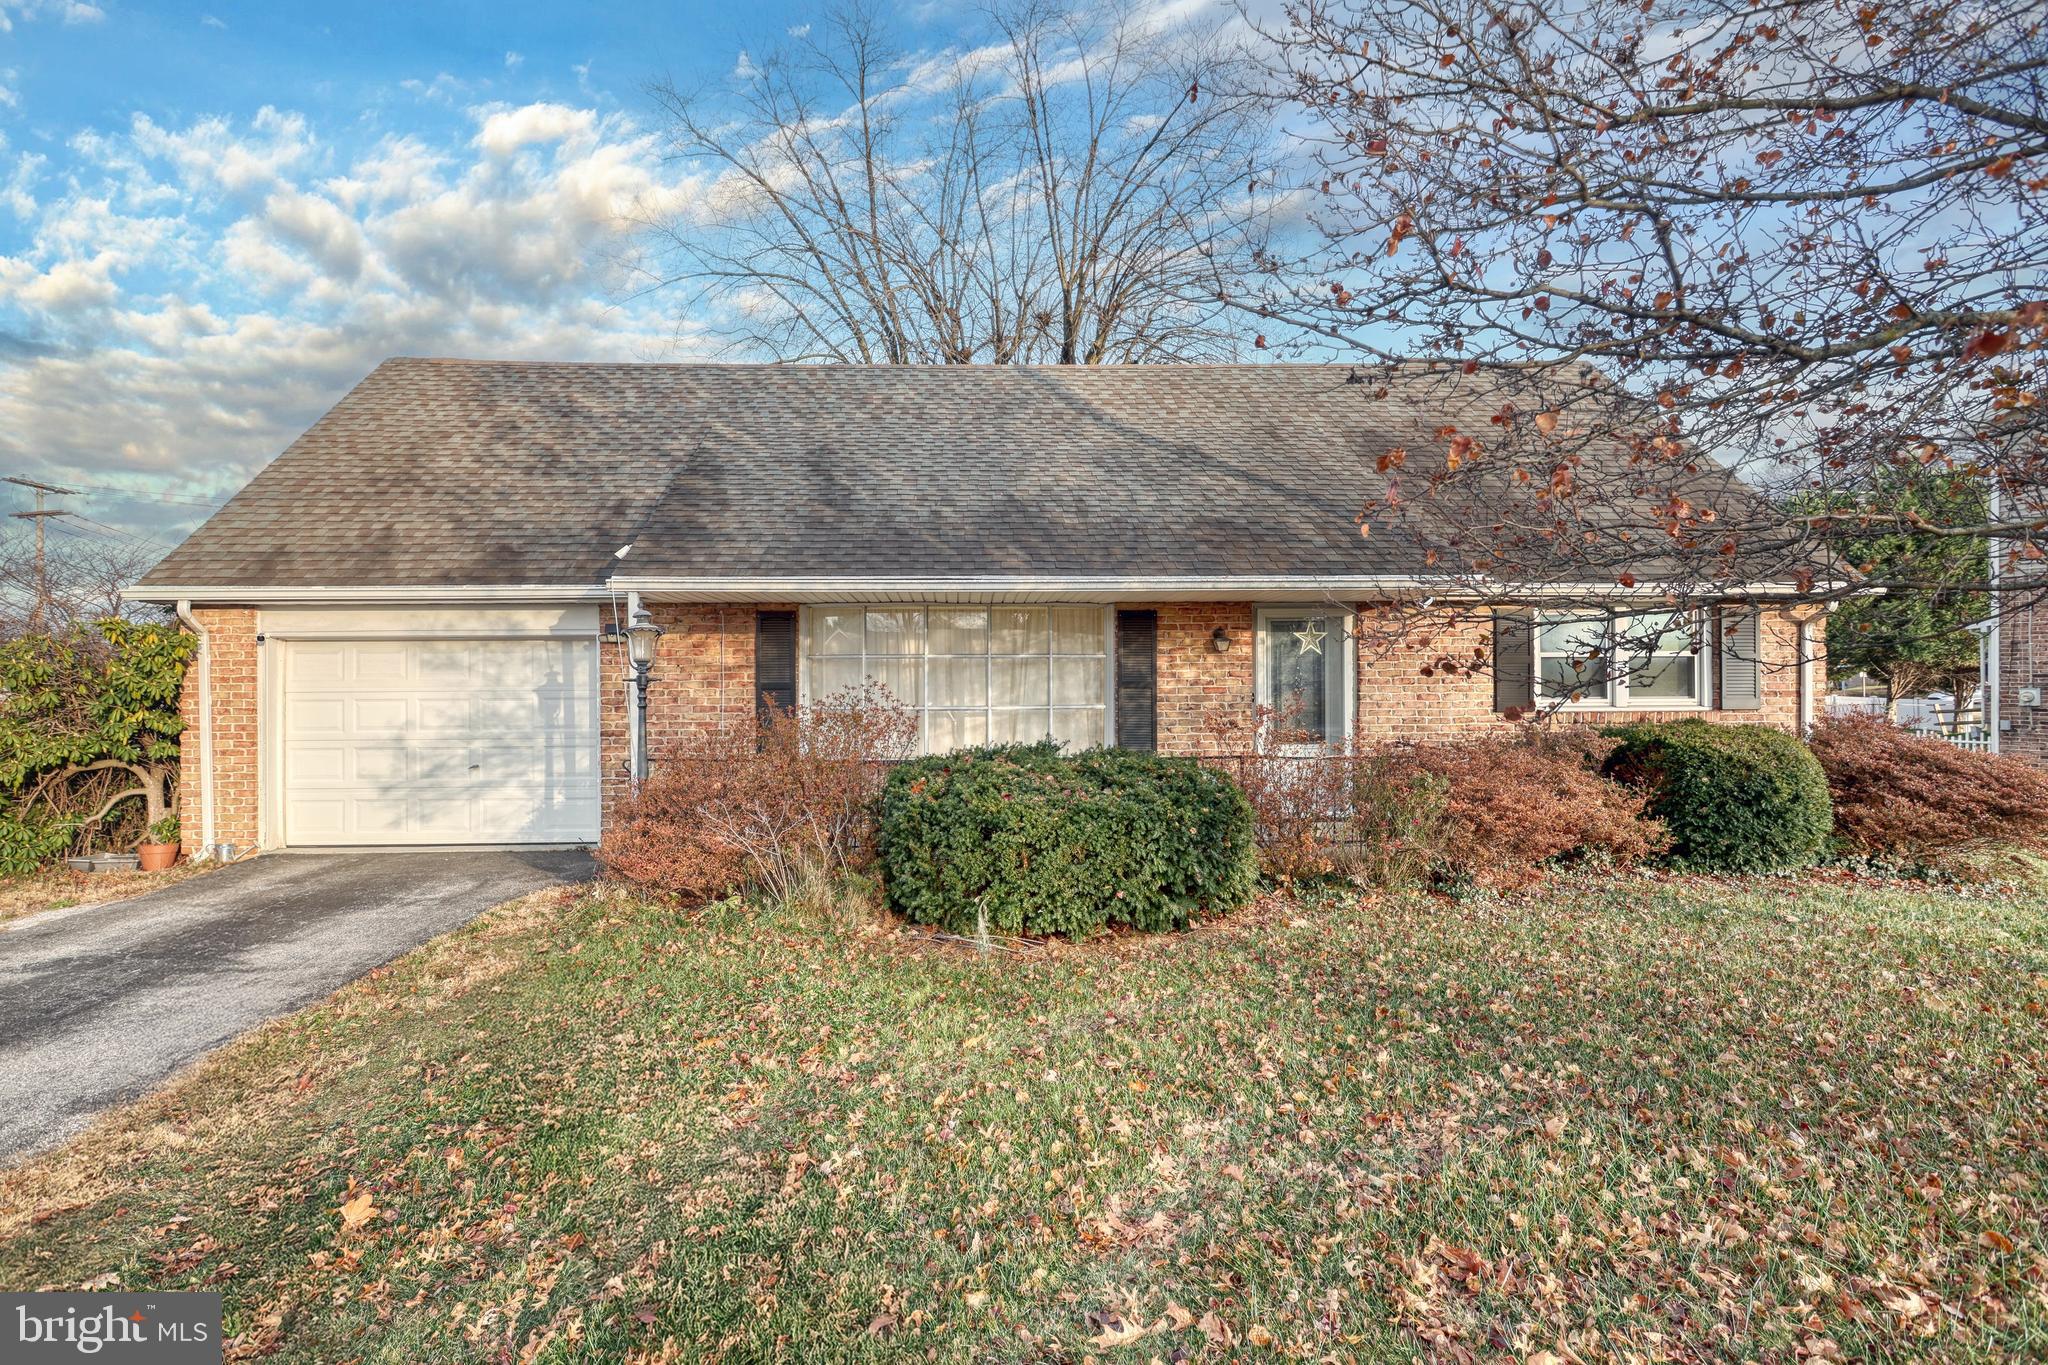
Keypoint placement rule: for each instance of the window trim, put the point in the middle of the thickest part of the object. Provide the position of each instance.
(1619, 665)
(806, 615)
(1262, 692)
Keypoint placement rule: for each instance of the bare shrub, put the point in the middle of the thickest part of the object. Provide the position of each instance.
(1490, 811)
(782, 809)
(1516, 804)
(1906, 798)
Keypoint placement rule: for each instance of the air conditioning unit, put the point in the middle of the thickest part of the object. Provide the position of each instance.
(2030, 696)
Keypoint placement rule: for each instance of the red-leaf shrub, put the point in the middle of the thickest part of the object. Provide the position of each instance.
(776, 808)
(1513, 805)
(1908, 798)
(1489, 811)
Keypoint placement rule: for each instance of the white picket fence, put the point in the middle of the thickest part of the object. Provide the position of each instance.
(1977, 741)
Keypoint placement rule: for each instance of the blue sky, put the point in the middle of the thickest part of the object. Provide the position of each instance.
(215, 218)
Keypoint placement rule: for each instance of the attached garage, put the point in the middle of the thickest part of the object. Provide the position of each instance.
(429, 738)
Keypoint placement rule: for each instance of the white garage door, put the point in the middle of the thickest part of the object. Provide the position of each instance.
(440, 741)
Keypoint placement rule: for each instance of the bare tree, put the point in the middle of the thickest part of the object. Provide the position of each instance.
(1802, 243)
(1057, 194)
(85, 573)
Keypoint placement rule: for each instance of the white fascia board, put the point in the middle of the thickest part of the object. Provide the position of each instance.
(402, 593)
(977, 587)
(1047, 588)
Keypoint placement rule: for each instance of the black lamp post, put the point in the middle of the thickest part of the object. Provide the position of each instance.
(641, 637)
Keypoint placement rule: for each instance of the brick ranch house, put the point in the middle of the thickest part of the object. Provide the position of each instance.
(405, 617)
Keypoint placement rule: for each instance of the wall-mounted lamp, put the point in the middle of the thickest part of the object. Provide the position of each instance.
(641, 638)
(1219, 640)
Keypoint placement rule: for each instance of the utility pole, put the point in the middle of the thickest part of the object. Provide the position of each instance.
(39, 516)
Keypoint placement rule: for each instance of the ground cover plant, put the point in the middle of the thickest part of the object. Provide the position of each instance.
(1631, 1117)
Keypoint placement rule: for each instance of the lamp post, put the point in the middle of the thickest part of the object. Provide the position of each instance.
(641, 637)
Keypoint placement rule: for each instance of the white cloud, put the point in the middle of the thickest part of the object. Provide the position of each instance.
(185, 341)
(319, 228)
(10, 98)
(69, 286)
(799, 30)
(18, 191)
(211, 153)
(70, 11)
(443, 89)
(744, 69)
(212, 21)
(507, 130)
(513, 61)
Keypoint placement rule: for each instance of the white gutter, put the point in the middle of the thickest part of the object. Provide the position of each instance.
(1444, 588)
(207, 849)
(403, 592)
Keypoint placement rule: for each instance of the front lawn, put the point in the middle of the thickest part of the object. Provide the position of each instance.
(60, 888)
(1620, 1118)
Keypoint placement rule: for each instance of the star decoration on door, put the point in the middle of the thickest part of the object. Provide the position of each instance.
(1311, 637)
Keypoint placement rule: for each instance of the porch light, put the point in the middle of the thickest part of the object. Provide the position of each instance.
(1219, 640)
(640, 639)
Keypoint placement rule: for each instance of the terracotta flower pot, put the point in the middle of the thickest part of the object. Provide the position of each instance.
(156, 857)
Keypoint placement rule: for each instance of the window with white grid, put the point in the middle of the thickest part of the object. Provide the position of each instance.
(973, 675)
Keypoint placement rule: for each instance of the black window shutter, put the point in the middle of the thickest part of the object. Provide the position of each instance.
(774, 662)
(1514, 661)
(1137, 680)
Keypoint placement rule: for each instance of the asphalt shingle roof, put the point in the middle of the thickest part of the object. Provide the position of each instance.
(445, 472)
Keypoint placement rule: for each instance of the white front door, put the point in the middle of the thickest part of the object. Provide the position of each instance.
(1304, 662)
(435, 741)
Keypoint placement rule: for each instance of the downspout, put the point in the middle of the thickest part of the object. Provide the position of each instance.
(1806, 675)
(637, 722)
(207, 848)
(1992, 642)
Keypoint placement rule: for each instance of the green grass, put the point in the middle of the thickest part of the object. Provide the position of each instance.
(1622, 1118)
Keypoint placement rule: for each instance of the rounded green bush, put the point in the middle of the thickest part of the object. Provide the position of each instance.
(1734, 798)
(1023, 839)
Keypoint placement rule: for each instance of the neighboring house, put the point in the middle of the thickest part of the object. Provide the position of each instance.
(2016, 659)
(403, 615)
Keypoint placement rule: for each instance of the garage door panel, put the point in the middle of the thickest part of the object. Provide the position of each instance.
(380, 665)
(313, 765)
(465, 741)
(446, 663)
(380, 763)
(316, 716)
(446, 716)
(315, 666)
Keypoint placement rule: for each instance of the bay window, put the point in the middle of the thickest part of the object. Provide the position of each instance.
(972, 675)
(1635, 661)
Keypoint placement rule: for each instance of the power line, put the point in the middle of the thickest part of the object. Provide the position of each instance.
(131, 535)
(147, 496)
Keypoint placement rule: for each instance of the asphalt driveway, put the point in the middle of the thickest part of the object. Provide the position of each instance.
(99, 1004)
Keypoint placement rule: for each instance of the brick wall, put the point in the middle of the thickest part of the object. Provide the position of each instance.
(703, 677)
(1412, 683)
(231, 633)
(2023, 662)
